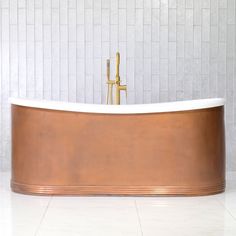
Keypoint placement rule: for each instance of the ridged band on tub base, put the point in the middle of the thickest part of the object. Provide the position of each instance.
(117, 190)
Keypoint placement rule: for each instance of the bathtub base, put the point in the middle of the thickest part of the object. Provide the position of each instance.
(117, 190)
(69, 153)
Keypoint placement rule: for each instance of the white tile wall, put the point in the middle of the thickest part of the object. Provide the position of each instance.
(170, 50)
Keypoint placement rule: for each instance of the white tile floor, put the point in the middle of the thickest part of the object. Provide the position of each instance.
(100, 216)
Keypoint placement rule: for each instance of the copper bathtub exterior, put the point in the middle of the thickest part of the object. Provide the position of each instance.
(74, 153)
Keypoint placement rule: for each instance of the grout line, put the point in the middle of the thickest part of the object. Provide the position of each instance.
(139, 219)
(43, 216)
(226, 208)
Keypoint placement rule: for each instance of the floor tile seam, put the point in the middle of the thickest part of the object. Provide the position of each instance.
(139, 218)
(43, 216)
(227, 209)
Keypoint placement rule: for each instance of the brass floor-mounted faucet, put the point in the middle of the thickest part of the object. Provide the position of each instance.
(115, 82)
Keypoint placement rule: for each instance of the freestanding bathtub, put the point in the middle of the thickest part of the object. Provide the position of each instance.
(175, 148)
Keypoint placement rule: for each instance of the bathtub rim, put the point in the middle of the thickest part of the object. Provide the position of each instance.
(175, 106)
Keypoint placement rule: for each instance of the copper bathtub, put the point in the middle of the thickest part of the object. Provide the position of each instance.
(175, 148)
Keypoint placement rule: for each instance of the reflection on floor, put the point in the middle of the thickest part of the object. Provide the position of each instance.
(113, 216)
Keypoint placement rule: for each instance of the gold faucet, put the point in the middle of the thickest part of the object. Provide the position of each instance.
(115, 82)
(119, 87)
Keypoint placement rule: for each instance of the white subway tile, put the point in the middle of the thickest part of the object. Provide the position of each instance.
(63, 12)
(205, 57)
(231, 12)
(105, 4)
(55, 4)
(38, 69)
(180, 41)
(105, 25)
(172, 25)
(139, 89)
(189, 3)
(130, 12)
(47, 7)
(80, 33)
(231, 41)
(37, 3)
(88, 4)
(122, 25)
(172, 88)
(206, 3)
(13, 12)
(47, 80)
(147, 41)
(130, 74)
(197, 12)
(188, 87)
(172, 4)
(155, 25)
(88, 25)
(114, 12)
(89, 89)
(4, 4)
(164, 12)
(38, 25)
(122, 4)
(97, 41)
(222, 25)
(205, 25)
(72, 4)
(5, 27)
(105, 50)
(172, 58)
(97, 12)
(80, 11)
(98, 74)
(163, 42)
(155, 88)
(156, 3)
(181, 12)
(22, 3)
(72, 25)
(222, 3)
(113, 39)
(214, 12)
(130, 41)
(189, 26)
(155, 58)
(139, 25)
(147, 16)
(214, 42)
(197, 45)
(163, 74)
(147, 72)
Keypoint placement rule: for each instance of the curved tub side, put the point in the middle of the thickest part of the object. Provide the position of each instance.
(71, 153)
